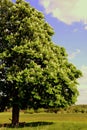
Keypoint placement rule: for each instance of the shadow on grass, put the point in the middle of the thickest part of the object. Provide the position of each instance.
(24, 124)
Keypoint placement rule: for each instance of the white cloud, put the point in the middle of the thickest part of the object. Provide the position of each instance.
(83, 80)
(73, 54)
(82, 88)
(66, 11)
(46, 3)
(85, 27)
(82, 98)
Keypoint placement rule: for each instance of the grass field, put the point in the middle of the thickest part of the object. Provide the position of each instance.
(47, 121)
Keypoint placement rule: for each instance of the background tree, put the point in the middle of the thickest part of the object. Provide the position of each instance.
(34, 72)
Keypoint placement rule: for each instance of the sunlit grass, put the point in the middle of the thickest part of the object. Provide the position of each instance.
(47, 121)
(52, 117)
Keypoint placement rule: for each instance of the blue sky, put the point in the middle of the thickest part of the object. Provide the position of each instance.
(69, 20)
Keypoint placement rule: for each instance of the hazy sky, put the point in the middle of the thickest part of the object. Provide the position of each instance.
(69, 20)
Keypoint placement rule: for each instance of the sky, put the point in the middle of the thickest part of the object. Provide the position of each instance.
(68, 18)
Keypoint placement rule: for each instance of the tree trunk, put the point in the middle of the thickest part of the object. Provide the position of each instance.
(15, 115)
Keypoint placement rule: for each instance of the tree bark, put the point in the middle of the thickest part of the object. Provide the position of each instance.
(15, 115)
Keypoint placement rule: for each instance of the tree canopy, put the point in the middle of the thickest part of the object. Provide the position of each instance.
(34, 71)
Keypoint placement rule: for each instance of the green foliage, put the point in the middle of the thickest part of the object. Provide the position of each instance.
(40, 110)
(34, 72)
(30, 111)
(71, 109)
(77, 109)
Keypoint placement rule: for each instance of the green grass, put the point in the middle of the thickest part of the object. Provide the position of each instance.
(47, 121)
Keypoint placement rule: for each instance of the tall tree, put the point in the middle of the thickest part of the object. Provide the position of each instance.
(34, 72)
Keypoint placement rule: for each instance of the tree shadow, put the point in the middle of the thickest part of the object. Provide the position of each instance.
(24, 124)
(35, 124)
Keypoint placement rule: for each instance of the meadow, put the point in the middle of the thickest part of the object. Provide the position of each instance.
(47, 121)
